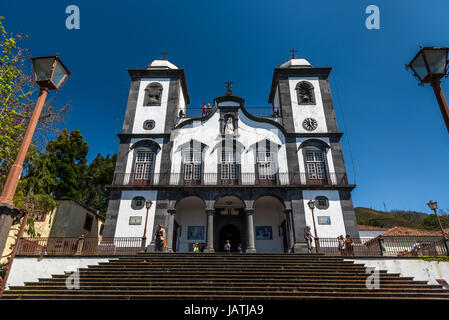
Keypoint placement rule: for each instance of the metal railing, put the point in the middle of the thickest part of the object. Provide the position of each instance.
(217, 179)
(79, 246)
(389, 246)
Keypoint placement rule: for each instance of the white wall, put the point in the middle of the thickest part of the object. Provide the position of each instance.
(301, 112)
(337, 226)
(190, 217)
(156, 113)
(123, 228)
(30, 269)
(420, 270)
(269, 217)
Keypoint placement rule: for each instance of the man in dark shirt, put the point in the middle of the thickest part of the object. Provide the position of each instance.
(308, 236)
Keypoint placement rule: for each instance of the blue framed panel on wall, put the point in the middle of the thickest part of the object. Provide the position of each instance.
(195, 233)
(326, 220)
(264, 233)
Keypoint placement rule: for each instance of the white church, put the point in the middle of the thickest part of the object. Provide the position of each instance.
(230, 175)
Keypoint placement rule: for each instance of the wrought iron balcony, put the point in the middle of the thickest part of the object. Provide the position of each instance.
(217, 179)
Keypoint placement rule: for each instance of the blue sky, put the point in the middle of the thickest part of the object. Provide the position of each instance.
(394, 133)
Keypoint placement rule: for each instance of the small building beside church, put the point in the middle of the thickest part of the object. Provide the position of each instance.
(229, 174)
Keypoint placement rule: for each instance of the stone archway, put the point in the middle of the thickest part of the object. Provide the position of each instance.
(229, 222)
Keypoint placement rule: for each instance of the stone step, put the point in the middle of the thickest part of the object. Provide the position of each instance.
(231, 276)
(317, 269)
(228, 294)
(296, 281)
(242, 286)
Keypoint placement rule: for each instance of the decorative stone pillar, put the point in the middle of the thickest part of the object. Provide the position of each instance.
(250, 247)
(289, 224)
(170, 231)
(210, 231)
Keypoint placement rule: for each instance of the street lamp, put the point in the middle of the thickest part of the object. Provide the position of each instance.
(49, 73)
(311, 205)
(433, 206)
(148, 205)
(429, 66)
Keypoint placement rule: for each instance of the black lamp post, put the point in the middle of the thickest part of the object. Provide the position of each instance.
(311, 205)
(148, 205)
(429, 66)
(434, 206)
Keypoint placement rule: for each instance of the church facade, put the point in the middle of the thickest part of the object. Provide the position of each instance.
(230, 175)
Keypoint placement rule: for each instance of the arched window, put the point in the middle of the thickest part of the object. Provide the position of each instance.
(314, 153)
(304, 91)
(144, 158)
(153, 94)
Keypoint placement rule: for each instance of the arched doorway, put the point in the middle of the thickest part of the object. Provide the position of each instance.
(232, 233)
(229, 223)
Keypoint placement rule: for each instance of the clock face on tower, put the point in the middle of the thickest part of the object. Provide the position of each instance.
(310, 124)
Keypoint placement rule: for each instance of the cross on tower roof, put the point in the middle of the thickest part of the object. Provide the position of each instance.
(165, 54)
(229, 86)
(293, 52)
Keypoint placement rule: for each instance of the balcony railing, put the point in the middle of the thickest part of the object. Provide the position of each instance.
(79, 246)
(389, 246)
(216, 179)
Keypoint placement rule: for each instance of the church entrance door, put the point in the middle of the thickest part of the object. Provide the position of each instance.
(232, 233)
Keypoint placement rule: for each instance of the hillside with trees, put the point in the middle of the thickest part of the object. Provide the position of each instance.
(410, 219)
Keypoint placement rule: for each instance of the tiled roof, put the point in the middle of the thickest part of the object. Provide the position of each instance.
(404, 231)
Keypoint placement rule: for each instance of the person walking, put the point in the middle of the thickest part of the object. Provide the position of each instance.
(240, 248)
(227, 246)
(159, 238)
(349, 245)
(308, 236)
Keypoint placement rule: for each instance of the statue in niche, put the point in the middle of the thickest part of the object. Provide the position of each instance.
(229, 127)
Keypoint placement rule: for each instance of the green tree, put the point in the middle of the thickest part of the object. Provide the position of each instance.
(431, 222)
(99, 174)
(67, 158)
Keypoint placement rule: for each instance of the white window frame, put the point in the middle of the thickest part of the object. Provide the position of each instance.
(192, 164)
(144, 165)
(266, 165)
(315, 165)
(229, 166)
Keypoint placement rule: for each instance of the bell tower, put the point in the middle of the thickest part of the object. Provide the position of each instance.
(157, 97)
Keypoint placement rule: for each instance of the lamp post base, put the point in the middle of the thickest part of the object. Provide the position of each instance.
(7, 215)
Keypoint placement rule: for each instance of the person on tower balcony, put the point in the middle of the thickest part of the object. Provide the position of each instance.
(159, 238)
(203, 109)
(208, 109)
(308, 236)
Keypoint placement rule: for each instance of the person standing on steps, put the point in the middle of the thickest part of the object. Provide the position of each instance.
(341, 244)
(159, 238)
(349, 245)
(308, 237)
(227, 246)
(240, 248)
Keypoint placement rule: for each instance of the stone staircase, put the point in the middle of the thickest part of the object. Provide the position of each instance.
(226, 276)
